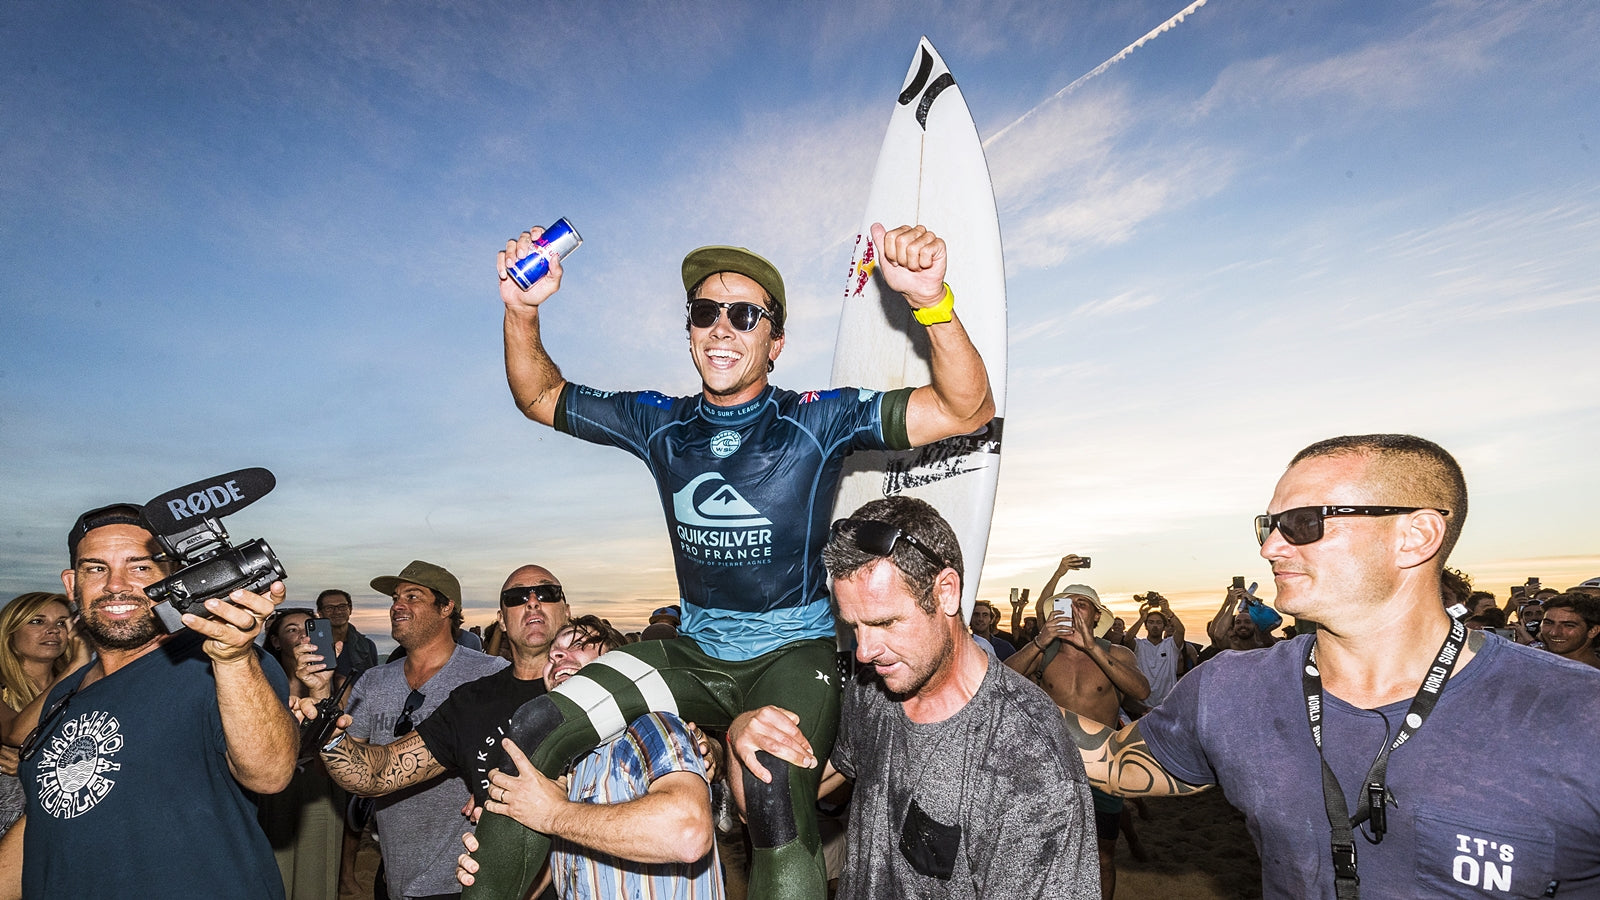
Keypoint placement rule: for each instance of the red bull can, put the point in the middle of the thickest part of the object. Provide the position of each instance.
(558, 240)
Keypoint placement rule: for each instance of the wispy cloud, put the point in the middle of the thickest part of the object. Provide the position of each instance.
(1452, 41)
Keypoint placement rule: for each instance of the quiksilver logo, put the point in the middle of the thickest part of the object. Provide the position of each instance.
(723, 507)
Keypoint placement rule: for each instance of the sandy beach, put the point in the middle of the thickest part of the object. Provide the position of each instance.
(1197, 848)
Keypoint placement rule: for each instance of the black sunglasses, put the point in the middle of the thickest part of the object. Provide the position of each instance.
(878, 538)
(1303, 525)
(544, 593)
(742, 315)
(413, 703)
(36, 737)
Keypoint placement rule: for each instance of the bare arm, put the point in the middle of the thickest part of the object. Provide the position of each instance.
(957, 399)
(1119, 762)
(535, 381)
(775, 731)
(670, 823)
(1130, 638)
(1028, 654)
(1222, 622)
(1019, 602)
(1068, 563)
(11, 861)
(373, 770)
(259, 732)
(1174, 624)
(1120, 665)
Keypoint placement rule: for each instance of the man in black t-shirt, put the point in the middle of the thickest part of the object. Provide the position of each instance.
(459, 735)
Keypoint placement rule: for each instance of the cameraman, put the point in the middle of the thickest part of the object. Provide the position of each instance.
(178, 726)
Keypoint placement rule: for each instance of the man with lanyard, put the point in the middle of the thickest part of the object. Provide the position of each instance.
(746, 474)
(1369, 729)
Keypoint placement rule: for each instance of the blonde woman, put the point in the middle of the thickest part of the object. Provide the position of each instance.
(37, 645)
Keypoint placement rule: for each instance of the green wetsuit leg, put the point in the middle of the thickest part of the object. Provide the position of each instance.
(595, 706)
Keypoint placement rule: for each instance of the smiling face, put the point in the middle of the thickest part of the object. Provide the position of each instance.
(534, 624)
(570, 651)
(336, 609)
(1565, 632)
(414, 618)
(42, 637)
(115, 564)
(733, 363)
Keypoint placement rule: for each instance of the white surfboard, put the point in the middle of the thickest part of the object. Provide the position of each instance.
(931, 172)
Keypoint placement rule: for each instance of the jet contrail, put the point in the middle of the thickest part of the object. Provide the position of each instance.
(1164, 26)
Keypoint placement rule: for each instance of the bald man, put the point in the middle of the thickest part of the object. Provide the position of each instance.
(458, 737)
(1380, 722)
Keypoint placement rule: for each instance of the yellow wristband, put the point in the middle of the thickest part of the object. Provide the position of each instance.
(943, 311)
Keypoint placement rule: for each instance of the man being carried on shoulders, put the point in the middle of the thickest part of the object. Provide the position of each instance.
(746, 474)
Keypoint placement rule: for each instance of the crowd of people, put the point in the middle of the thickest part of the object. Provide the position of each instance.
(244, 754)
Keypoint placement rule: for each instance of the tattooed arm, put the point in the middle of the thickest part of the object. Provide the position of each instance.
(373, 770)
(1119, 762)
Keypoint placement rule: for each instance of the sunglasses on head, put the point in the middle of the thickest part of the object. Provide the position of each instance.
(878, 538)
(742, 315)
(1303, 525)
(413, 703)
(544, 593)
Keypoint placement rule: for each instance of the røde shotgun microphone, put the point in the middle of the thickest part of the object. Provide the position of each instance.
(187, 524)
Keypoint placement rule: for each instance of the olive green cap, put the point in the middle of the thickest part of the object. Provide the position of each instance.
(707, 261)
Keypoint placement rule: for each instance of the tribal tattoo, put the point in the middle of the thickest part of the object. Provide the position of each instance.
(373, 770)
(1119, 762)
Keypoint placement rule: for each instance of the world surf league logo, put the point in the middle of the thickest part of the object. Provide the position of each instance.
(717, 526)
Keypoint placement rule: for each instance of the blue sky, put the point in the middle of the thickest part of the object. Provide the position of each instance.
(263, 234)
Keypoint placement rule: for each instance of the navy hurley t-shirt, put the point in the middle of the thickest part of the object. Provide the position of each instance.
(1498, 794)
(130, 795)
(748, 491)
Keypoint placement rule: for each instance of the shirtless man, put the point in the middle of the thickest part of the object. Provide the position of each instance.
(1085, 674)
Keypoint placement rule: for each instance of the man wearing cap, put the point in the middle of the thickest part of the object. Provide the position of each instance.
(1086, 674)
(194, 715)
(746, 473)
(421, 825)
(458, 737)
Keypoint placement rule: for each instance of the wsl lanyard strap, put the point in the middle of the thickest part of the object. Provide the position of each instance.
(1370, 807)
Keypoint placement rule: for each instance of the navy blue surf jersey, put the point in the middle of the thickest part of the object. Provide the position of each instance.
(747, 491)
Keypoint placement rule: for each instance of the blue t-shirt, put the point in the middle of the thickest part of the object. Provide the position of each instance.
(1498, 794)
(130, 793)
(747, 491)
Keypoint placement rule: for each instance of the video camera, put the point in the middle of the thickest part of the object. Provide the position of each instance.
(187, 524)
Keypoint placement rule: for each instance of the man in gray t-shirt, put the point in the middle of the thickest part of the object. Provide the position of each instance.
(966, 784)
(420, 827)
